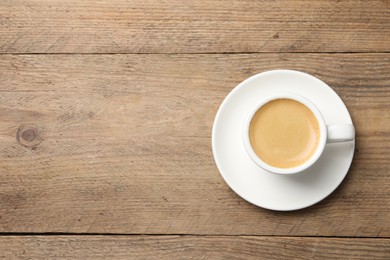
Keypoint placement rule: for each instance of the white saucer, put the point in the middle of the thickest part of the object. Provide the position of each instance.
(269, 190)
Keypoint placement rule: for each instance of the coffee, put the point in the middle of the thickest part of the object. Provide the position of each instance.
(284, 133)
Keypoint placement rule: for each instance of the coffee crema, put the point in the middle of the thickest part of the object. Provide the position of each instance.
(284, 133)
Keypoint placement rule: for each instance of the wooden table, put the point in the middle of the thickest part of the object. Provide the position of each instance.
(106, 109)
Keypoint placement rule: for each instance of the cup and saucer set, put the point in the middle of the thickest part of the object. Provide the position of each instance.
(237, 140)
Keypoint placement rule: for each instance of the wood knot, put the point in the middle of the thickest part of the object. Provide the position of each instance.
(28, 136)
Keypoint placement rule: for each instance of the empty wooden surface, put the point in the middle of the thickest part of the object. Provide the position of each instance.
(106, 109)
(175, 26)
(192, 247)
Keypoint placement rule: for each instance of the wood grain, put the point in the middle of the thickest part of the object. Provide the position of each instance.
(174, 26)
(191, 247)
(122, 144)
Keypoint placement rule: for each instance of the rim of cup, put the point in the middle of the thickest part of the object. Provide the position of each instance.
(320, 147)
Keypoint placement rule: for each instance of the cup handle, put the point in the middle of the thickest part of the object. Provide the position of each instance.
(340, 133)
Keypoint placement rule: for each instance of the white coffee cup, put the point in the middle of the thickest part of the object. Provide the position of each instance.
(328, 134)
